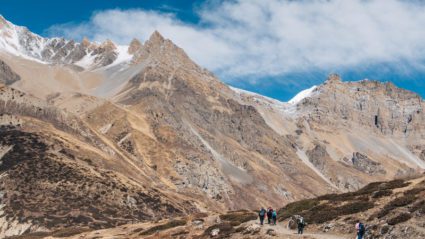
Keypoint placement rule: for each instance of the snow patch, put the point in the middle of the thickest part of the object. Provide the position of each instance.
(302, 95)
(86, 61)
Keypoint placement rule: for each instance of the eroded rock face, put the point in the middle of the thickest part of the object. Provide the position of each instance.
(7, 75)
(317, 156)
(382, 107)
(422, 155)
(362, 163)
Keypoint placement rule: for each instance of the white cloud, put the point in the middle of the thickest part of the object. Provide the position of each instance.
(276, 37)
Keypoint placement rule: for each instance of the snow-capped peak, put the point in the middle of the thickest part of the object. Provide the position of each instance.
(19, 41)
(302, 95)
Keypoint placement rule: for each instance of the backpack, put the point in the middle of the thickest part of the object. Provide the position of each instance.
(262, 212)
(362, 228)
(301, 221)
(274, 214)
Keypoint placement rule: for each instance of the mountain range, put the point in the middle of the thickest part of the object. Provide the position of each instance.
(98, 135)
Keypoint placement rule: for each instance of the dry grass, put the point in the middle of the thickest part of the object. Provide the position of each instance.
(66, 232)
(238, 217)
(168, 225)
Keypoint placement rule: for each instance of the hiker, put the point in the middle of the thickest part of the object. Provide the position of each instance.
(360, 230)
(262, 214)
(269, 214)
(301, 225)
(274, 217)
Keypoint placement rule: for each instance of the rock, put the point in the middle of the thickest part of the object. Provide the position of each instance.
(215, 232)
(271, 232)
(7, 75)
(333, 78)
(317, 156)
(362, 163)
(384, 229)
(422, 155)
(198, 223)
(328, 227)
(292, 224)
(135, 46)
(252, 229)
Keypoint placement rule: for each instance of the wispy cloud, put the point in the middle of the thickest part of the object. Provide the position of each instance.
(276, 37)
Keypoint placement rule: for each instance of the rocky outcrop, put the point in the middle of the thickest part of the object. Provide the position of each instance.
(317, 156)
(422, 155)
(362, 163)
(7, 75)
(135, 46)
(382, 107)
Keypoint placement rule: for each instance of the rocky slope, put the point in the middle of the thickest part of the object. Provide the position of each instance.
(390, 209)
(142, 131)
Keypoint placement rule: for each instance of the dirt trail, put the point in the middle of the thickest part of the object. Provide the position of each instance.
(282, 231)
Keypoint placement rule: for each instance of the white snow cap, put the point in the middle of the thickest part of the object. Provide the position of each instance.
(302, 95)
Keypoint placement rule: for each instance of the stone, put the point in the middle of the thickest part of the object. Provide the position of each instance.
(271, 232)
(215, 232)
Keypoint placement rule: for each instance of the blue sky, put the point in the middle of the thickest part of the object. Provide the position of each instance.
(273, 47)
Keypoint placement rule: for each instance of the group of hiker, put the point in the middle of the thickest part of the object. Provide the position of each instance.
(270, 213)
(300, 223)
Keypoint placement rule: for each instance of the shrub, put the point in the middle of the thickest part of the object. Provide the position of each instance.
(34, 235)
(326, 212)
(297, 208)
(403, 201)
(382, 193)
(398, 202)
(399, 219)
(66, 232)
(320, 214)
(419, 206)
(225, 229)
(168, 225)
(355, 207)
(380, 186)
(414, 191)
(238, 217)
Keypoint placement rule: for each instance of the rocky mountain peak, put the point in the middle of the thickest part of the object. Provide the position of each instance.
(333, 78)
(156, 38)
(85, 42)
(108, 44)
(135, 45)
(159, 49)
